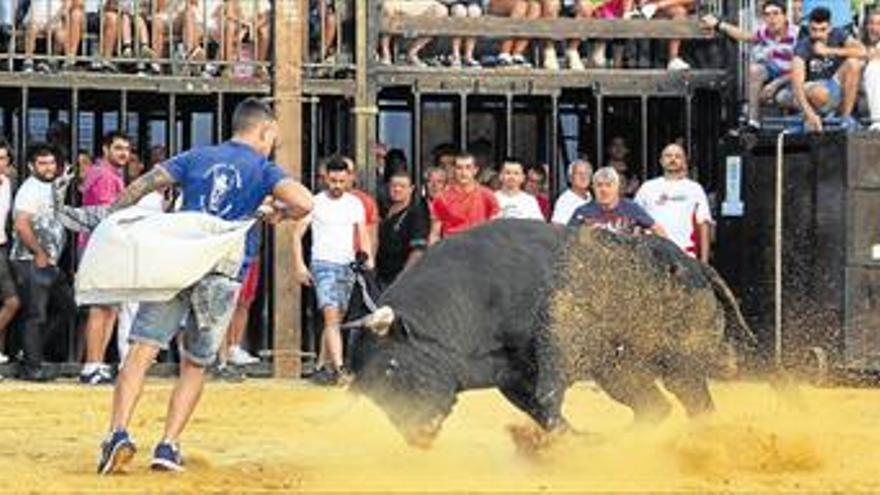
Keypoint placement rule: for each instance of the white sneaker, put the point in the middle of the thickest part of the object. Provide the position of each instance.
(678, 64)
(3, 358)
(574, 60)
(648, 10)
(875, 127)
(551, 61)
(241, 357)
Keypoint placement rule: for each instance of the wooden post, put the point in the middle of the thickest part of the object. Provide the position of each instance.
(290, 17)
(365, 97)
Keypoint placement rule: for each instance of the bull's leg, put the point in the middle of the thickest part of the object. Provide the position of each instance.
(689, 385)
(636, 389)
(550, 382)
(522, 396)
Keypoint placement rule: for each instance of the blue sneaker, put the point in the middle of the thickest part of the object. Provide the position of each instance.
(849, 124)
(116, 452)
(166, 457)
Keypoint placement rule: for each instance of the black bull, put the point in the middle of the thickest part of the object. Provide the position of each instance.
(530, 308)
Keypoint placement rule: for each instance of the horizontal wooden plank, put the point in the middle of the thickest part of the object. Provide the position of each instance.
(557, 29)
(130, 82)
(630, 82)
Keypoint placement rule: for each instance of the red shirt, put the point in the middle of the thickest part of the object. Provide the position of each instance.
(459, 210)
(544, 204)
(371, 214)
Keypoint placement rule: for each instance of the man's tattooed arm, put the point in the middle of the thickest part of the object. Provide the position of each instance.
(154, 180)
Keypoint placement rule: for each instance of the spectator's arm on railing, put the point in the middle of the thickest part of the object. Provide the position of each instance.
(713, 24)
(798, 77)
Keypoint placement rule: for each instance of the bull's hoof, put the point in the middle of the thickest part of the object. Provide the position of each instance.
(531, 440)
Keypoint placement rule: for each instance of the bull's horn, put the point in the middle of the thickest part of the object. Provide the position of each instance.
(379, 322)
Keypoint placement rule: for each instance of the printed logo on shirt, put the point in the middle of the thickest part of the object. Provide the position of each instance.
(225, 179)
(674, 198)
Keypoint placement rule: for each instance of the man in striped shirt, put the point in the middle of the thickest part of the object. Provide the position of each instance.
(772, 52)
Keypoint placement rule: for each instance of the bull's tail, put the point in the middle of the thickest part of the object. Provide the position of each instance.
(738, 329)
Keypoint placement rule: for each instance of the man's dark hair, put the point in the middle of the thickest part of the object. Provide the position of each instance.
(444, 149)
(39, 150)
(514, 160)
(336, 163)
(395, 160)
(465, 155)
(113, 136)
(539, 169)
(250, 112)
(4, 145)
(820, 15)
(779, 4)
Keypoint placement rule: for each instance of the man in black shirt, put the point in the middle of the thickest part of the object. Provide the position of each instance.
(825, 72)
(403, 233)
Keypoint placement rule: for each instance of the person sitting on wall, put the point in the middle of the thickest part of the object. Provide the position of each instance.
(772, 52)
(408, 8)
(872, 69)
(825, 73)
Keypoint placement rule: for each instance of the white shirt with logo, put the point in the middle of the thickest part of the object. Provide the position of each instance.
(333, 227)
(520, 205)
(679, 206)
(566, 205)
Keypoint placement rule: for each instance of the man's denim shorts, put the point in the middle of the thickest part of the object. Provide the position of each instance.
(333, 284)
(157, 323)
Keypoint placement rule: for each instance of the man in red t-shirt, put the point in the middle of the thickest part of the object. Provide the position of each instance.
(371, 209)
(464, 204)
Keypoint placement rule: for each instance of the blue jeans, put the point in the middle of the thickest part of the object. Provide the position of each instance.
(333, 284)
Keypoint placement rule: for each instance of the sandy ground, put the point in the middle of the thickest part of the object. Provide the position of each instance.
(273, 435)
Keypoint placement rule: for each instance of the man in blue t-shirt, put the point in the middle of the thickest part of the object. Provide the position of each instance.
(230, 181)
(612, 212)
(825, 73)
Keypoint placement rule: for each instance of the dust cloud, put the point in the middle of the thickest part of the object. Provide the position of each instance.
(274, 435)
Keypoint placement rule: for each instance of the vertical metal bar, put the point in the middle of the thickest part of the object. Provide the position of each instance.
(688, 109)
(600, 132)
(313, 140)
(416, 158)
(463, 121)
(777, 243)
(219, 138)
(644, 172)
(123, 110)
(508, 124)
(74, 122)
(172, 125)
(553, 155)
(25, 96)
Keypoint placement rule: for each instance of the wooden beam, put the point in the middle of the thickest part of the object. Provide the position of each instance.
(365, 109)
(618, 82)
(290, 19)
(557, 29)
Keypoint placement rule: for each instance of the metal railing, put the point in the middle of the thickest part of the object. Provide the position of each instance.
(183, 38)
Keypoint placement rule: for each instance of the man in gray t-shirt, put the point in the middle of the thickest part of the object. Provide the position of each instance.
(38, 240)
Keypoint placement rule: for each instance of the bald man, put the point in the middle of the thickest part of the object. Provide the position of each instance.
(678, 204)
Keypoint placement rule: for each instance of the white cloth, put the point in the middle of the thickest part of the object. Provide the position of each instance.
(520, 205)
(678, 206)
(872, 89)
(140, 255)
(566, 205)
(154, 201)
(333, 227)
(5, 205)
(6, 13)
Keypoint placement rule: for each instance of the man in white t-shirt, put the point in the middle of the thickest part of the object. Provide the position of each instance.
(9, 301)
(678, 204)
(577, 194)
(336, 218)
(513, 201)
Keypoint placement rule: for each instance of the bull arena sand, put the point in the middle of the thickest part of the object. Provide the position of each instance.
(287, 436)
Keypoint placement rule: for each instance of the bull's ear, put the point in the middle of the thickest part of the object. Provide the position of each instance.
(380, 321)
